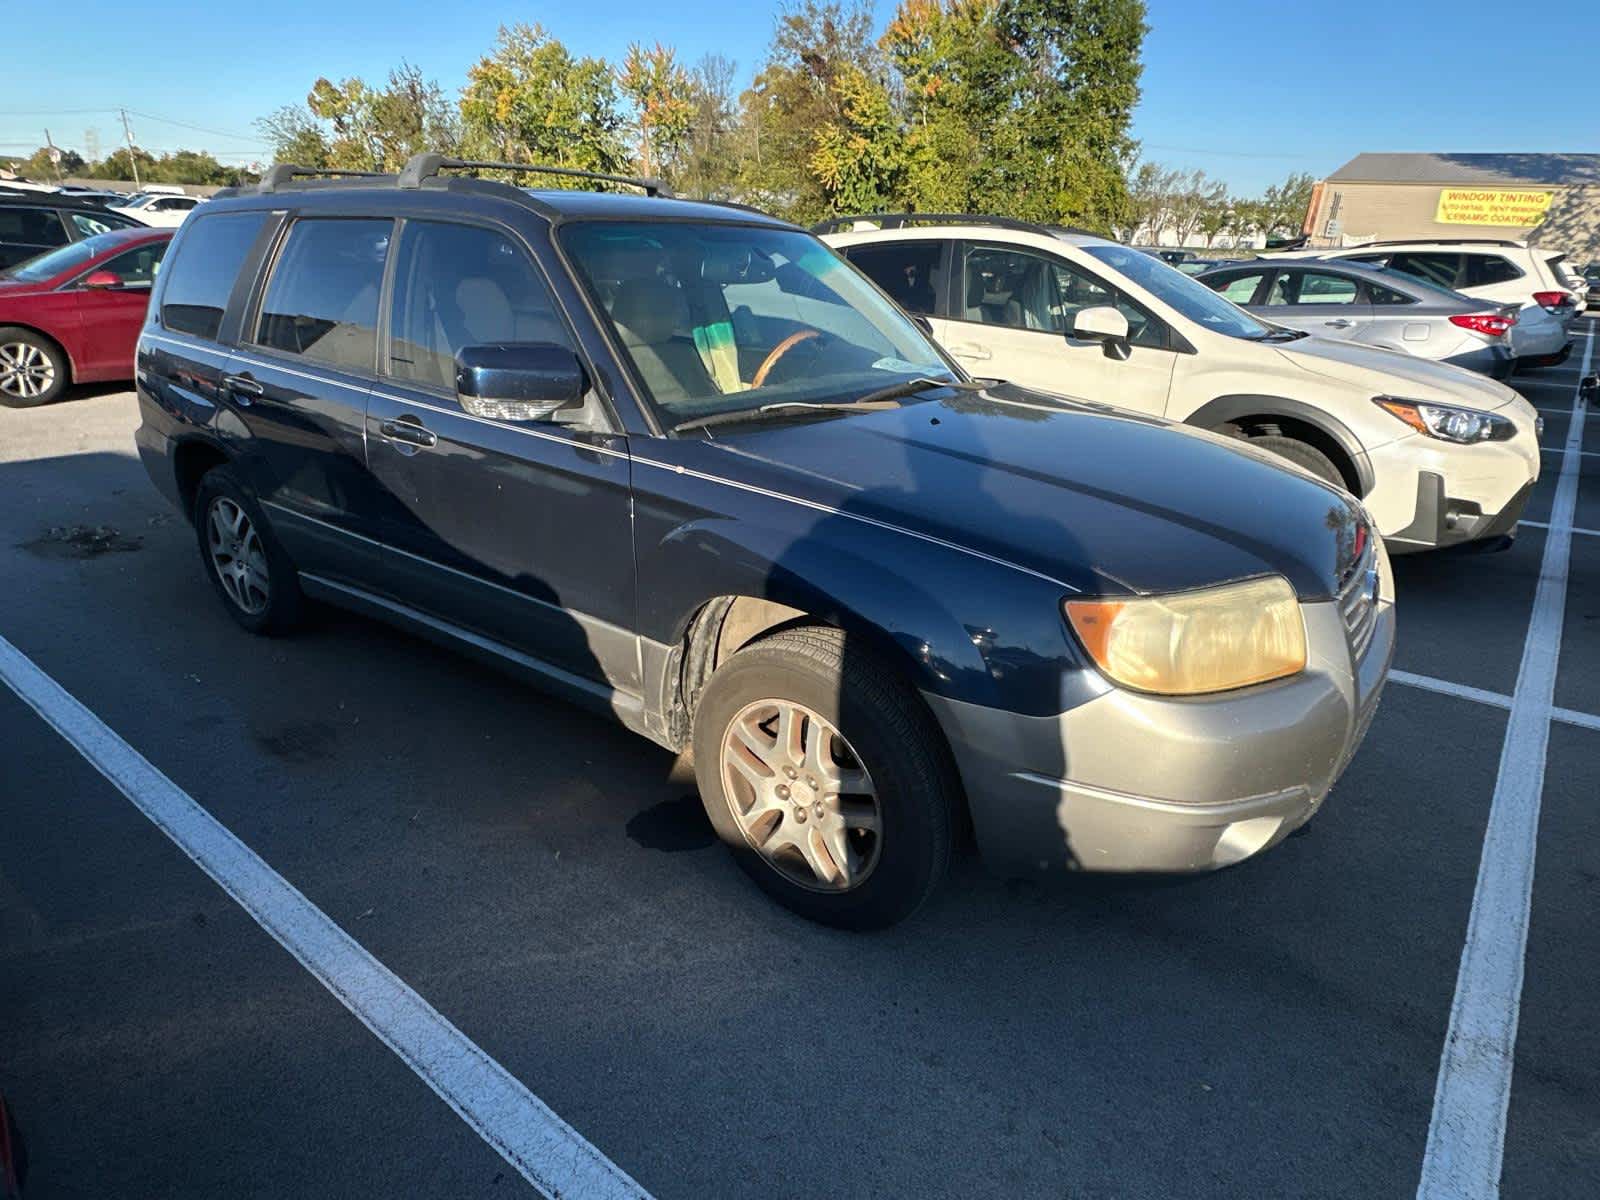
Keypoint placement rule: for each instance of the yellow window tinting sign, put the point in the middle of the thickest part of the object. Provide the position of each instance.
(1491, 206)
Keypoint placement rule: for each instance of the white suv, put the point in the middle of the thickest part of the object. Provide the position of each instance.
(1506, 272)
(1439, 455)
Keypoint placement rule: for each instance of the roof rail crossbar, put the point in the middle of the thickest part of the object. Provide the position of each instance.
(280, 174)
(1441, 241)
(426, 165)
(903, 220)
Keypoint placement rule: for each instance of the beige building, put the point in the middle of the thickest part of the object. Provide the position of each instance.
(1546, 199)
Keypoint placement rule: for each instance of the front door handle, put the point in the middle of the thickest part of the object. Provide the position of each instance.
(243, 389)
(410, 430)
(971, 350)
(1339, 323)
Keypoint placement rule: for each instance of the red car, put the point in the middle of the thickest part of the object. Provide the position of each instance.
(74, 314)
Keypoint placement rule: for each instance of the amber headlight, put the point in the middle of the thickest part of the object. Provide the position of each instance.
(1193, 642)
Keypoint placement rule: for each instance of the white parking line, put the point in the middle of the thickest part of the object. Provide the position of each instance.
(1575, 529)
(1462, 691)
(1568, 449)
(543, 1148)
(1466, 1135)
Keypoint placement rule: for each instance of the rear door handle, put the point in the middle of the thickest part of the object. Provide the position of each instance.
(1340, 323)
(971, 350)
(410, 430)
(243, 389)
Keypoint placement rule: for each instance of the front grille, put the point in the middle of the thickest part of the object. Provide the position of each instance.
(1358, 600)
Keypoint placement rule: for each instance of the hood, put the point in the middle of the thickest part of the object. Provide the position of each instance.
(1105, 501)
(17, 288)
(1392, 373)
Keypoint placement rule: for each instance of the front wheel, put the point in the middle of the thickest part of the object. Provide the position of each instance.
(827, 777)
(33, 371)
(1301, 455)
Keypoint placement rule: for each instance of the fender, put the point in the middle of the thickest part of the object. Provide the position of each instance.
(850, 575)
(1231, 407)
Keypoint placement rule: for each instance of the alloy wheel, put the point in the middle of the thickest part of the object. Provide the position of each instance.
(238, 556)
(26, 371)
(801, 796)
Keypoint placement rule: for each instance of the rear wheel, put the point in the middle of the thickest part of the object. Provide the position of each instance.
(827, 777)
(249, 569)
(1302, 455)
(33, 370)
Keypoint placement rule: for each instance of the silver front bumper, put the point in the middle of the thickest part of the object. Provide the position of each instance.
(1131, 782)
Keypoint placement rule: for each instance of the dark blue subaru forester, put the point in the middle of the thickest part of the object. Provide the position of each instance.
(681, 462)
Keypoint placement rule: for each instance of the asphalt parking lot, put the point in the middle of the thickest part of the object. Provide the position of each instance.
(547, 883)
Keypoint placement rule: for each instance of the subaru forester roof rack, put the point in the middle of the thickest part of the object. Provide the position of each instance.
(903, 220)
(280, 174)
(428, 164)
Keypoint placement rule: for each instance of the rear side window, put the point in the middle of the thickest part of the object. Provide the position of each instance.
(462, 285)
(201, 277)
(1441, 267)
(90, 223)
(322, 300)
(1486, 269)
(1379, 294)
(31, 226)
(907, 271)
(1239, 288)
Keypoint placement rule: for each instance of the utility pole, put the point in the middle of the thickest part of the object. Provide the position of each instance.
(128, 135)
(53, 155)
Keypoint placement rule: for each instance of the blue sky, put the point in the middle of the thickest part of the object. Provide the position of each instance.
(1218, 93)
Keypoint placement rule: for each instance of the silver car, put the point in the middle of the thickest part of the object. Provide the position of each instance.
(1352, 301)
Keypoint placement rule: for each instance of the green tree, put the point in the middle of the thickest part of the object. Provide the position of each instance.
(38, 165)
(295, 135)
(663, 99)
(1283, 208)
(820, 50)
(859, 158)
(531, 100)
(714, 147)
(359, 127)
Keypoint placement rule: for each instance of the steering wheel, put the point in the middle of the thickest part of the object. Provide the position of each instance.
(778, 351)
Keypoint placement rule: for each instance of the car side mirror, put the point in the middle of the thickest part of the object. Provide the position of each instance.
(101, 280)
(519, 381)
(1104, 324)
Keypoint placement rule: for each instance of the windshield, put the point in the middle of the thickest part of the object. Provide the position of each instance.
(54, 262)
(1177, 290)
(725, 318)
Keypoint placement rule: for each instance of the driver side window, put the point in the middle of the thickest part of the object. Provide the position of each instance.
(1021, 289)
(462, 285)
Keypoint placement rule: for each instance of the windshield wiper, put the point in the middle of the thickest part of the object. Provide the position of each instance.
(886, 397)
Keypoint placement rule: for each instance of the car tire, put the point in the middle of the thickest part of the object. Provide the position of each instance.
(882, 744)
(243, 558)
(1302, 455)
(30, 361)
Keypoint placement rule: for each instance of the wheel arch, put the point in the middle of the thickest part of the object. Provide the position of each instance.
(72, 365)
(192, 457)
(1317, 427)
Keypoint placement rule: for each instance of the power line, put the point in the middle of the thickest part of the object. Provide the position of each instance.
(79, 112)
(243, 137)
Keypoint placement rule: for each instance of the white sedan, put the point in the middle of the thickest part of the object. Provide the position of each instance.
(162, 210)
